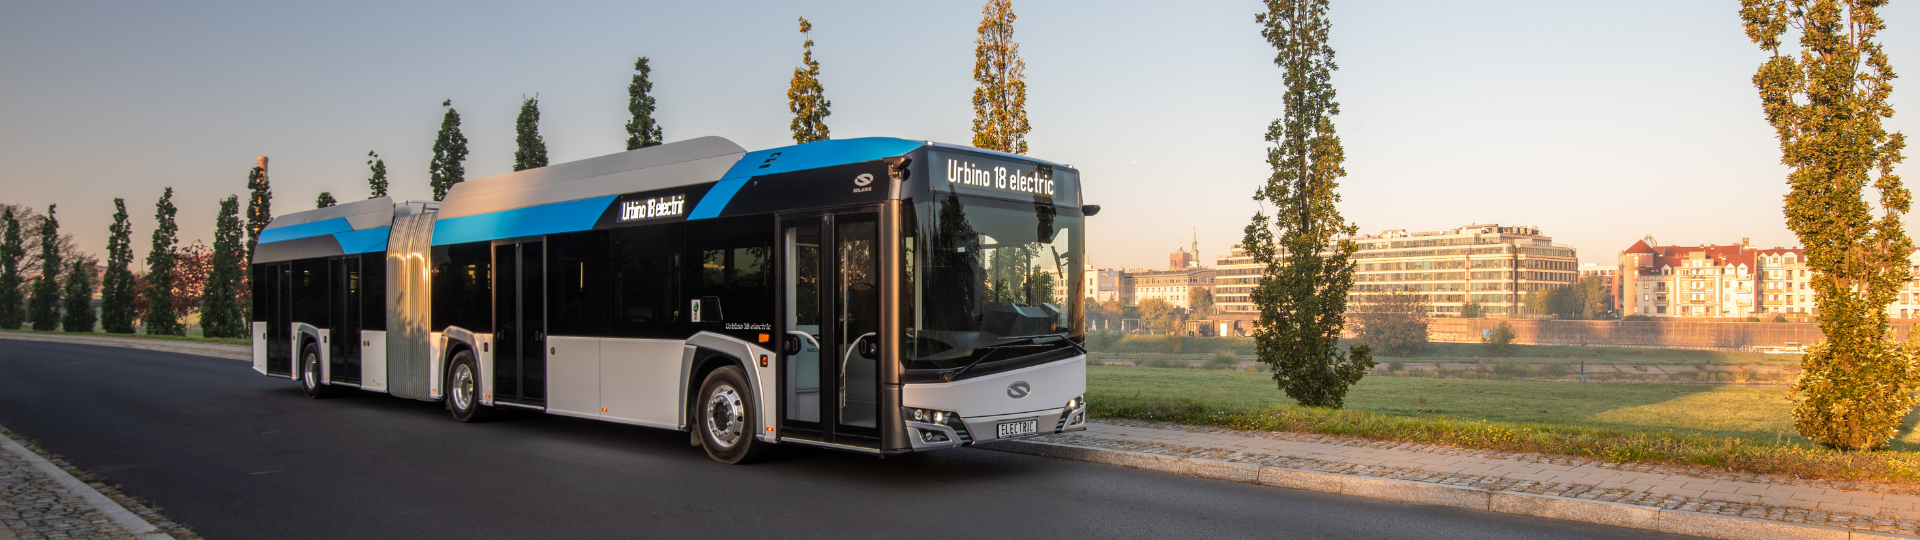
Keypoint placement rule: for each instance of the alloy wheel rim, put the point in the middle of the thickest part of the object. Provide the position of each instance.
(313, 364)
(726, 416)
(463, 387)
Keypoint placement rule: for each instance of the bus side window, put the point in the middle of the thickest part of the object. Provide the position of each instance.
(463, 286)
(579, 290)
(646, 281)
(735, 258)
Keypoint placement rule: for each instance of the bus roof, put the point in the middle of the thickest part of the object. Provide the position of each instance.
(342, 229)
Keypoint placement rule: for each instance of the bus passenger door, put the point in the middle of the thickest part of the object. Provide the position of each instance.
(520, 323)
(830, 368)
(800, 351)
(279, 318)
(344, 329)
(855, 326)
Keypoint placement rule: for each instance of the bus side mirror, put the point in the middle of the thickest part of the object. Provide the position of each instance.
(1089, 209)
(791, 344)
(870, 348)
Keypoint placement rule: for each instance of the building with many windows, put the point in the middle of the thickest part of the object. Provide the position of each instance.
(1177, 287)
(1234, 277)
(1492, 266)
(1713, 281)
(1609, 280)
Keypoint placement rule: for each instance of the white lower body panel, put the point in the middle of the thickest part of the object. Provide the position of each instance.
(373, 360)
(259, 333)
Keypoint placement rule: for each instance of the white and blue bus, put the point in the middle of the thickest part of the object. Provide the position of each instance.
(875, 295)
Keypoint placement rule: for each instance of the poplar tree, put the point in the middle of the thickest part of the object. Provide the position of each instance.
(805, 97)
(377, 182)
(642, 131)
(116, 284)
(1000, 100)
(220, 312)
(325, 200)
(45, 306)
(530, 150)
(1302, 296)
(78, 291)
(259, 206)
(161, 278)
(12, 305)
(1827, 100)
(449, 154)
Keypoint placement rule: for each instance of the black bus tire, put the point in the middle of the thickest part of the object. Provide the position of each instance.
(463, 389)
(726, 418)
(310, 382)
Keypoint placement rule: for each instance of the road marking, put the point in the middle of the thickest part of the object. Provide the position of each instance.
(265, 472)
(132, 523)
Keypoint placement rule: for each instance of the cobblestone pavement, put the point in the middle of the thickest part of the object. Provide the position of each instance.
(1654, 486)
(34, 507)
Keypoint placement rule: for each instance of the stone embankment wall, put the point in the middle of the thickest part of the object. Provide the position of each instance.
(1662, 334)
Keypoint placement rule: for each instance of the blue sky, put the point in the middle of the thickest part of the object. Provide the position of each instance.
(1598, 122)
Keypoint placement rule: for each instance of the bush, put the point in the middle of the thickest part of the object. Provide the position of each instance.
(1555, 369)
(1395, 365)
(1751, 318)
(1636, 318)
(1500, 343)
(1512, 369)
(1220, 360)
(1392, 324)
(1855, 399)
(1779, 318)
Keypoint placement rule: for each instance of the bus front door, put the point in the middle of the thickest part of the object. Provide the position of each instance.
(519, 324)
(830, 368)
(278, 303)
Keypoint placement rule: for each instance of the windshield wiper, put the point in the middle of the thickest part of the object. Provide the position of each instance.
(950, 375)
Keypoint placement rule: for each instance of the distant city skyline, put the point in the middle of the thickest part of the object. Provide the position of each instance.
(1598, 124)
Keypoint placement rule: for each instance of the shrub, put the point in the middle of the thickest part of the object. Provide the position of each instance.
(1636, 318)
(1220, 360)
(1779, 318)
(1751, 318)
(1395, 365)
(1512, 369)
(1555, 369)
(1500, 342)
(1392, 324)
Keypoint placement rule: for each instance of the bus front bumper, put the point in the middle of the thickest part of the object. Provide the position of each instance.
(986, 409)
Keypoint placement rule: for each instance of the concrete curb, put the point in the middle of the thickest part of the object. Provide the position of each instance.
(222, 351)
(126, 520)
(1507, 502)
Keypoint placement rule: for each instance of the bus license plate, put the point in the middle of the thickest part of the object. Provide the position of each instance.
(1018, 428)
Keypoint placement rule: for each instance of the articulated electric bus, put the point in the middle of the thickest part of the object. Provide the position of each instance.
(874, 295)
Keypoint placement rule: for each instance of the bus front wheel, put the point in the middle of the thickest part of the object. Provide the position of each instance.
(463, 386)
(310, 382)
(726, 418)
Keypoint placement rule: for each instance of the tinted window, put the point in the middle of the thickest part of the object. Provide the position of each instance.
(258, 284)
(581, 291)
(735, 258)
(463, 287)
(646, 263)
(373, 295)
(309, 291)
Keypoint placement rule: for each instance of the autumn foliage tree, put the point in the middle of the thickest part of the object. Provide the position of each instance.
(1827, 99)
(1000, 99)
(1302, 294)
(805, 97)
(1393, 323)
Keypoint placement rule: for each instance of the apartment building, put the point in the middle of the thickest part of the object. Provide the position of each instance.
(1490, 265)
(1234, 277)
(1713, 281)
(1177, 287)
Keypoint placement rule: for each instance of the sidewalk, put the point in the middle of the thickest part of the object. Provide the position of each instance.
(1673, 498)
(217, 350)
(43, 498)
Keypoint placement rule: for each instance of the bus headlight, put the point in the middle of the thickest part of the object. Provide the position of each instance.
(1075, 414)
(929, 416)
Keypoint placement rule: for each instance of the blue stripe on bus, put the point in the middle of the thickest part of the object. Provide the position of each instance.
(305, 230)
(553, 218)
(798, 157)
(363, 241)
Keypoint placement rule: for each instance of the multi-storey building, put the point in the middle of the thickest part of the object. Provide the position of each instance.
(1609, 279)
(1492, 266)
(1234, 277)
(1177, 287)
(1111, 286)
(1713, 281)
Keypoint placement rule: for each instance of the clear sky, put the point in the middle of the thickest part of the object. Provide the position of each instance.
(1599, 122)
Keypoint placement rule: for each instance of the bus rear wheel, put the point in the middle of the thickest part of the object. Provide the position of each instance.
(463, 390)
(310, 382)
(726, 418)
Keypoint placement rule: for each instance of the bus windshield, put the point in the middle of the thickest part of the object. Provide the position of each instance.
(993, 280)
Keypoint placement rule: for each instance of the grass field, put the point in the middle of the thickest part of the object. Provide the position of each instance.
(1738, 427)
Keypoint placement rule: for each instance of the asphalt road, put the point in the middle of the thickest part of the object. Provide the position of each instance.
(234, 454)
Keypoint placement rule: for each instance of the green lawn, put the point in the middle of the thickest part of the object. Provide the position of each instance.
(1746, 428)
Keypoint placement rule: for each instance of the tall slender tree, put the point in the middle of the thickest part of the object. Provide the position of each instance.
(449, 154)
(116, 284)
(1302, 296)
(259, 204)
(1827, 101)
(220, 311)
(529, 150)
(162, 319)
(642, 130)
(1000, 100)
(12, 304)
(805, 97)
(325, 200)
(78, 292)
(377, 182)
(45, 306)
